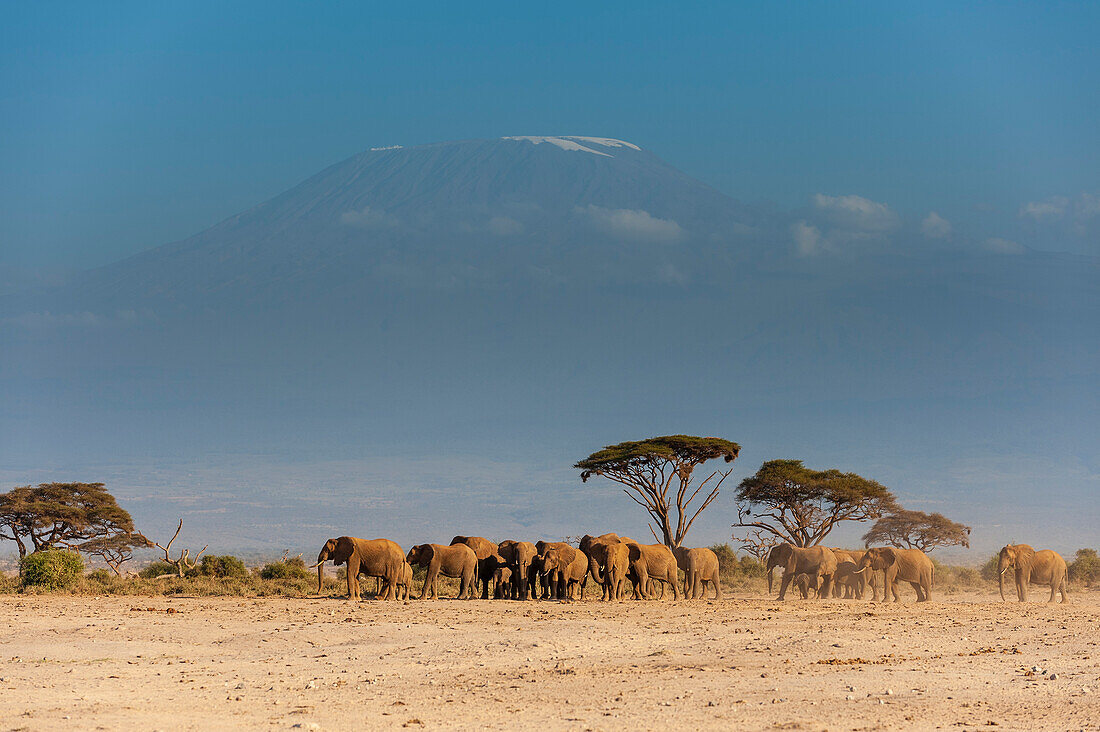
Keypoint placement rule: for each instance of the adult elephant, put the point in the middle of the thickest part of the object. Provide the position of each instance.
(1044, 567)
(908, 565)
(818, 562)
(380, 558)
(456, 560)
(654, 562)
(700, 567)
(486, 567)
(547, 590)
(598, 549)
(518, 555)
(566, 568)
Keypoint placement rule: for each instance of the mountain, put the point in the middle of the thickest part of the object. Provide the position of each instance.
(436, 333)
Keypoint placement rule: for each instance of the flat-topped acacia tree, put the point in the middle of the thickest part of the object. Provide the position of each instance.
(796, 504)
(657, 473)
(917, 530)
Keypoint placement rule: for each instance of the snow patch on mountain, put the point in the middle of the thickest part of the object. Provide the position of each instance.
(573, 142)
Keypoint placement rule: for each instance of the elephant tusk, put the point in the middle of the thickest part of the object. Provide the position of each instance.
(1005, 569)
(860, 571)
(315, 566)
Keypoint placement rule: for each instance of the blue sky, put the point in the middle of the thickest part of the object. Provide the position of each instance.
(126, 126)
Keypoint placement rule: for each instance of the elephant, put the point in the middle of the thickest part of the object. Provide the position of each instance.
(484, 549)
(700, 567)
(805, 583)
(404, 586)
(503, 578)
(518, 555)
(848, 582)
(652, 562)
(598, 550)
(817, 561)
(566, 568)
(908, 565)
(1044, 567)
(547, 591)
(371, 557)
(456, 560)
(857, 585)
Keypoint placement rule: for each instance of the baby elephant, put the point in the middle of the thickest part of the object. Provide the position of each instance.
(502, 583)
(805, 584)
(457, 560)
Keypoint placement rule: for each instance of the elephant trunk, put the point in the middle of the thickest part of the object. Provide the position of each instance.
(320, 576)
(1001, 582)
(594, 568)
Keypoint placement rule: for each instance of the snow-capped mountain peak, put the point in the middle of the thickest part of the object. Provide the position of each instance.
(573, 142)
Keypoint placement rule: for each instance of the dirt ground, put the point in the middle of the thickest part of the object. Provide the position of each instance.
(71, 663)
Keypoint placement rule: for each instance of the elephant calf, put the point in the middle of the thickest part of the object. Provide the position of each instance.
(457, 560)
(805, 584)
(502, 583)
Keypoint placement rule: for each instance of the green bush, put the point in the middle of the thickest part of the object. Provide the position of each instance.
(989, 569)
(222, 567)
(290, 569)
(51, 570)
(156, 569)
(1085, 567)
(100, 575)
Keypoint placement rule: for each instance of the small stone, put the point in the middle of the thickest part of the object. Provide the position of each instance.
(849, 698)
(889, 692)
(1053, 677)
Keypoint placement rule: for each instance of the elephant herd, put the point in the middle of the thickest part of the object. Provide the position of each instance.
(522, 570)
(622, 567)
(847, 572)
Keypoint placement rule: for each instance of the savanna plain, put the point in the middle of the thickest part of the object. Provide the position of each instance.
(962, 661)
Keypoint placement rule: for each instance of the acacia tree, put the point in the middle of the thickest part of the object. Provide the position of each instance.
(793, 503)
(657, 474)
(60, 515)
(116, 549)
(756, 543)
(917, 530)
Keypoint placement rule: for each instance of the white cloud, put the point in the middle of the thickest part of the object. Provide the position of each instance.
(935, 226)
(504, 226)
(368, 218)
(856, 213)
(1002, 246)
(634, 224)
(807, 239)
(1051, 208)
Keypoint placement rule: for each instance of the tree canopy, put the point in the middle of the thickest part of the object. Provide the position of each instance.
(793, 503)
(917, 530)
(60, 515)
(657, 474)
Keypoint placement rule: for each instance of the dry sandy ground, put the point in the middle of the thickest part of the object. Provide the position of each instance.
(743, 663)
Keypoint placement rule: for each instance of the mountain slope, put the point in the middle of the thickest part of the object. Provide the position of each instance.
(515, 303)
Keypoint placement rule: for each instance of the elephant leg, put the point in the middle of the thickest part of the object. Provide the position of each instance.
(787, 577)
(825, 586)
(920, 591)
(353, 577)
(429, 580)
